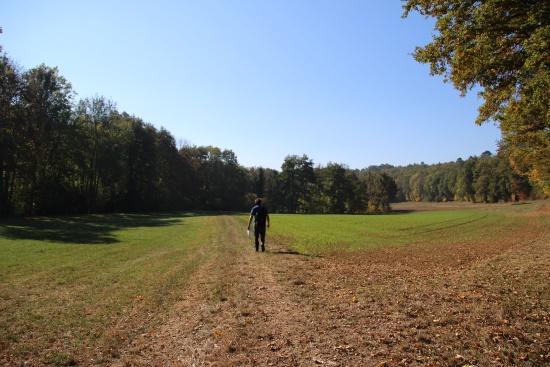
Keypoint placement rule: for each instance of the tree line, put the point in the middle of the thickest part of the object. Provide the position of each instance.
(302, 187)
(61, 156)
(58, 156)
(485, 179)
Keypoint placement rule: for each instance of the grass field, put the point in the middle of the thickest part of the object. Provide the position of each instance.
(64, 280)
(318, 234)
(85, 290)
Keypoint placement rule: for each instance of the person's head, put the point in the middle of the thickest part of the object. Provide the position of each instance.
(258, 201)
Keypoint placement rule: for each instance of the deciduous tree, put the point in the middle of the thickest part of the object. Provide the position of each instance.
(47, 101)
(11, 131)
(297, 182)
(503, 47)
(335, 187)
(98, 149)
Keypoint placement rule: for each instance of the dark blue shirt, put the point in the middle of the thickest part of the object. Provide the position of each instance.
(260, 214)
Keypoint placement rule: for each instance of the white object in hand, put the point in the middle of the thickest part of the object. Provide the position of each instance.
(248, 232)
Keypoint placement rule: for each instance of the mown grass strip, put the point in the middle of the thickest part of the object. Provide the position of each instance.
(65, 281)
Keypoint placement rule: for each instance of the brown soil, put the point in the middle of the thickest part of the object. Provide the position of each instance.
(468, 304)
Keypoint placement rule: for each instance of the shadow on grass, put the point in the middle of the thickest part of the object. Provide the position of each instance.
(292, 252)
(86, 229)
(287, 252)
(400, 211)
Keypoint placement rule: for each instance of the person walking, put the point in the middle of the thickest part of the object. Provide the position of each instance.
(261, 219)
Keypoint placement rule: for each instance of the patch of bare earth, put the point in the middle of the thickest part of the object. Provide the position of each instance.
(467, 304)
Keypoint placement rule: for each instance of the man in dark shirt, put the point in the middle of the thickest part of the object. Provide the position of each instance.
(261, 219)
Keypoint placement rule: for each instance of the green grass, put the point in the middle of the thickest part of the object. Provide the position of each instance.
(70, 283)
(321, 234)
(64, 280)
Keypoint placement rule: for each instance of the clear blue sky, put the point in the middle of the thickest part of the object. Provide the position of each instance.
(333, 79)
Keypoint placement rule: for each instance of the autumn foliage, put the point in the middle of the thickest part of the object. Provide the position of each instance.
(501, 47)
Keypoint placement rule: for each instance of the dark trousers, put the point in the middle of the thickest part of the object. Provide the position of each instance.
(259, 232)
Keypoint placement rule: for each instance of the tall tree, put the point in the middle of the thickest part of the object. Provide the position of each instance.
(11, 132)
(95, 119)
(142, 171)
(418, 186)
(190, 177)
(465, 181)
(503, 47)
(336, 187)
(374, 192)
(256, 177)
(272, 190)
(215, 178)
(502, 180)
(210, 177)
(297, 182)
(483, 171)
(48, 107)
(232, 190)
(170, 172)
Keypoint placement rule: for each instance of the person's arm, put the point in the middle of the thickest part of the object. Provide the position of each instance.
(267, 218)
(249, 222)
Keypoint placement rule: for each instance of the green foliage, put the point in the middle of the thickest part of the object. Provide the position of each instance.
(297, 184)
(218, 182)
(11, 131)
(47, 102)
(264, 183)
(501, 46)
(57, 157)
(100, 137)
(332, 189)
(338, 188)
(488, 179)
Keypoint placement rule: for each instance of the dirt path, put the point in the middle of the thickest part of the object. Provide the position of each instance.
(463, 305)
(241, 308)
